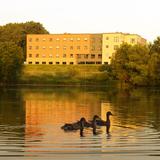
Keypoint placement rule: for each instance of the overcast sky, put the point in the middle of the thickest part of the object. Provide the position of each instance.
(87, 16)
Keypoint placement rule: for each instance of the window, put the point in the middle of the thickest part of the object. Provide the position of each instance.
(85, 47)
(57, 62)
(109, 57)
(57, 55)
(30, 39)
(78, 56)
(57, 39)
(43, 55)
(64, 63)
(99, 55)
(85, 39)
(51, 39)
(64, 39)
(57, 47)
(86, 56)
(30, 47)
(29, 62)
(44, 39)
(90, 62)
(78, 39)
(37, 55)
(50, 56)
(37, 47)
(30, 55)
(78, 47)
(92, 56)
(64, 47)
(50, 62)
(71, 47)
(81, 62)
(71, 39)
(98, 62)
(64, 55)
(44, 47)
(43, 62)
(71, 63)
(50, 47)
(105, 62)
(37, 39)
(115, 47)
(107, 46)
(107, 38)
(116, 39)
(93, 48)
(71, 55)
(36, 62)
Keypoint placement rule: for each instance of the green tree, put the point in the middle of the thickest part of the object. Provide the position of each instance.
(154, 62)
(11, 60)
(16, 32)
(130, 64)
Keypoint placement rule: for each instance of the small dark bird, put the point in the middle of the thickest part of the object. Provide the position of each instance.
(82, 125)
(106, 123)
(94, 123)
(76, 125)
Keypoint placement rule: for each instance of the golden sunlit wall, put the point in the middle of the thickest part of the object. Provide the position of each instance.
(64, 49)
(111, 41)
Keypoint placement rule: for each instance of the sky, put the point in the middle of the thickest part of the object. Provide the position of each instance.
(86, 16)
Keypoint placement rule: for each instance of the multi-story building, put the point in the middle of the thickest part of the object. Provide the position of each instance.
(76, 48)
(64, 49)
(111, 41)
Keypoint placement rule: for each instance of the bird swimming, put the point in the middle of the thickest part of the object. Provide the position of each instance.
(94, 124)
(76, 125)
(82, 125)
(91, 124)
(106, 123)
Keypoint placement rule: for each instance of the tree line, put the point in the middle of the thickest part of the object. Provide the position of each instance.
(13, 48)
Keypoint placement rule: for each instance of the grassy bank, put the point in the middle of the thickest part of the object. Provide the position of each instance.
(63, 75)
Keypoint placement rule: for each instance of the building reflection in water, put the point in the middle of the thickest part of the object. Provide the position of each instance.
(53, 109)
(46, 113)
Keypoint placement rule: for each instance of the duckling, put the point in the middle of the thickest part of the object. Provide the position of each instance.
(94, 124)
(106, 123)
(75, 126)
(82, 125)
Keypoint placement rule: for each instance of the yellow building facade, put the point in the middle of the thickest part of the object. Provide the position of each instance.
(76, 48)
(111, 41)
(64, 49)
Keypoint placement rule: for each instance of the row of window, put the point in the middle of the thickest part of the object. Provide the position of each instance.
(58, 47)
(86, 56)
(117, 39)
(57, 39)
(82, 62)
(114, 47)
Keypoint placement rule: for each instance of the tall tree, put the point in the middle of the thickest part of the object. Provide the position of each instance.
(154, 62)
(16, 32)
(11, 60)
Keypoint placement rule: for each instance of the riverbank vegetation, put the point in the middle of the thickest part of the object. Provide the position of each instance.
(138, 65)
(64, 75)
(13, 48)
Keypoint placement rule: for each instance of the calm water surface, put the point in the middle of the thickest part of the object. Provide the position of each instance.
(30, 121)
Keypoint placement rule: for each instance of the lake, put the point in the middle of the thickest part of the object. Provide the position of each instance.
(31, 120)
